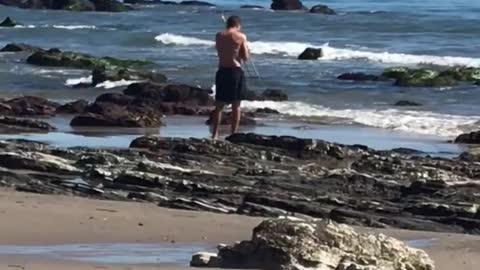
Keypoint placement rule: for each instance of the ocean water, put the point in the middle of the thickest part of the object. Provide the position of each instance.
(367, 35)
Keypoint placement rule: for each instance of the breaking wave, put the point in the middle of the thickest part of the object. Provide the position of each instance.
(293, 49)
(420, 122)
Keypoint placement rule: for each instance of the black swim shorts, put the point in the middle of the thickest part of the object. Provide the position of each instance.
(230, 85)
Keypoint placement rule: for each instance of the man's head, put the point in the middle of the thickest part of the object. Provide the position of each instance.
(234, 23)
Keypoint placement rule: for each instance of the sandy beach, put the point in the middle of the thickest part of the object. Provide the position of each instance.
(30, 219)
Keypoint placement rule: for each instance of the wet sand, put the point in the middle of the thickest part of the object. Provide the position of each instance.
(30, 219)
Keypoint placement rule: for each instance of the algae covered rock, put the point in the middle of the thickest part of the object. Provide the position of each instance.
(57, 58)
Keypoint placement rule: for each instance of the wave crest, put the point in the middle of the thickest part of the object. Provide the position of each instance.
(293, 49)
(420, 122)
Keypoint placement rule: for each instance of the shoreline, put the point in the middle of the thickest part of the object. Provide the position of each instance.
(51, 212)
(194, 127)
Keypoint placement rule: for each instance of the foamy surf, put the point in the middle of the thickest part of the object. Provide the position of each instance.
(76, 81)
(293, 49)
(74, 27)
(419, 122)
(114, 84)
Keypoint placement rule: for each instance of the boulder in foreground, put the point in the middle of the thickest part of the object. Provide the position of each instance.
(311, 54)
(293, 244)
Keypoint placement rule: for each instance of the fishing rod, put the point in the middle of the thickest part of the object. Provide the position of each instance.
(255, 71)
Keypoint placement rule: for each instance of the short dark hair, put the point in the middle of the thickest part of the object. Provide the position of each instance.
(233, 21)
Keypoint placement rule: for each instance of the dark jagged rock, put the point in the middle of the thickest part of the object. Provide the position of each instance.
(109, 5)
(252, 174)
(311, 54)
(267, 111)
(71, 5)
(406, 103)
(273, 95)
(267, 95)
(19, 47)
(196, 3)
(322, 9)
(108, 114)
(100, 75)
(359, 76)
(16, 124)
(252, 7)
(8, 22)
(175, 93)
(28, 106)
(247, 119)
(469, 138)
(287, 5)
(74, 107)
(57, 58)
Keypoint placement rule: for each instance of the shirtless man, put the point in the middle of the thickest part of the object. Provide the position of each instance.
(231, 45)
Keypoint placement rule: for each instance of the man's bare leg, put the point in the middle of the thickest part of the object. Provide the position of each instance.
(236, 114)
(216, 119)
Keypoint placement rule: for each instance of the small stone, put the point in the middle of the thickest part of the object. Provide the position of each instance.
(205, 259)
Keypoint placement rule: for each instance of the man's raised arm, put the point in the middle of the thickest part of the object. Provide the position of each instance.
(244, 53)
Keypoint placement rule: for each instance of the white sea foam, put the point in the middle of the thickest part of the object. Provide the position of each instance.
(74, 27)
(25, 26)
(171, 39)
(75, 81)
(293, 49)
(428, 123)
(113, 84)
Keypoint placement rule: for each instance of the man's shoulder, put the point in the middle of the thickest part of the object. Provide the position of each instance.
(241, 36)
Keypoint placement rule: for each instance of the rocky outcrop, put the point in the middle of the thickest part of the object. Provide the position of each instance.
(8, 22)
(71, 5)
(406, 103)
(252, 7)
(297, 244)
(28, 106)
(311, 54)
(110, 114)
(469, 138)
(100, 75)
(161, 2)
(19, 47)
(169, 93)
(196, 3)
(10, 124)
(267, 111)
(74, 107)
(257, 175)
(359, 76)
(322, 9)
(57, 58)
(144, 104)
(407, 77)
(287, 5)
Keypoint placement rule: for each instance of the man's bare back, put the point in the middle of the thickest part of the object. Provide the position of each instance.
(231, 47)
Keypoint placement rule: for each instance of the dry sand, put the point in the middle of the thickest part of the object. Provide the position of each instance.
(30, 219)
